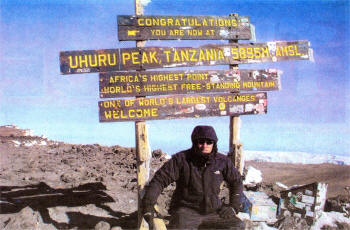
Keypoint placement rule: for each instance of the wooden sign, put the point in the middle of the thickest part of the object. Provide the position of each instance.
(148, 83)
(165, 57)
(182, 106)
(131, 28)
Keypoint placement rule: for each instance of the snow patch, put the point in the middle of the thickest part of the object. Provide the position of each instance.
(29, 143)
(17, 143)
(253, 176)
(32, 143)
(329, 219)
(281, 185)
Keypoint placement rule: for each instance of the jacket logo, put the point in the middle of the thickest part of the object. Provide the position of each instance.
(217, 172)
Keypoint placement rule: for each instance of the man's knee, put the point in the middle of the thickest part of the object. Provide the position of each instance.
(184, 218)
(216, 222)
(232, 223)
(238, 224)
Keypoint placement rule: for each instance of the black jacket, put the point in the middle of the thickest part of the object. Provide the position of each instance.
(198, 181)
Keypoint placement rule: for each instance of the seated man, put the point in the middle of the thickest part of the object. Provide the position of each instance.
(198, 173)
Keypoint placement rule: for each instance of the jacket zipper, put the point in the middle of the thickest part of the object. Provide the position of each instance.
(204, 189)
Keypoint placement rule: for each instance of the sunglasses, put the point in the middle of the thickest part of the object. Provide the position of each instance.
(202, 141)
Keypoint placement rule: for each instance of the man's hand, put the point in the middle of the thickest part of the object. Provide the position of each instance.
(227, 212)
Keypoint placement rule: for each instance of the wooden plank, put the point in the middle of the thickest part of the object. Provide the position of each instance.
(149, 83)
(155, 27)
(182, 106)
(168, 57)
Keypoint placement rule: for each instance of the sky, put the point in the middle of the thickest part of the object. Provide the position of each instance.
(309, 114)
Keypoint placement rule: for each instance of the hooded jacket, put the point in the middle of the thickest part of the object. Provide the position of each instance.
(198, 178)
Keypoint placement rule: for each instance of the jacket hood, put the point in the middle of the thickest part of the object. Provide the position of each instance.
(203, 132)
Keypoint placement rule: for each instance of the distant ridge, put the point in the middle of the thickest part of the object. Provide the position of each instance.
(14, 131)
(295, 157)
(249, 155)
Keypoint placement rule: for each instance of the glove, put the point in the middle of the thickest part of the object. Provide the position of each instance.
(227, 212)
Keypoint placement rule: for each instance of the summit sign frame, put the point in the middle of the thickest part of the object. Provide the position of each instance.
(189, 93)
(134, 28)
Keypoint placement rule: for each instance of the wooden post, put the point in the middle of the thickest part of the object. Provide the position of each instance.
(235, 146)
(143, 165)
(142, 145)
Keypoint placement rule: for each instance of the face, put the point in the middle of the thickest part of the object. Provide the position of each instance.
(205, 146)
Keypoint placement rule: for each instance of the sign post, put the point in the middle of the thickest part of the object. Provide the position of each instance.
(143, 151)
(235, 146)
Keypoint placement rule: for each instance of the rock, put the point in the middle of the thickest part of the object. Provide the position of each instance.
(59, 215)
(340, 203)
(67, 178)
(157, 153)
(116, 228)
(27, 219)
(102, 226)
(292, 222)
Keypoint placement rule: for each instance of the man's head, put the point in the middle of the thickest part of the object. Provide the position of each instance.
(204, 139)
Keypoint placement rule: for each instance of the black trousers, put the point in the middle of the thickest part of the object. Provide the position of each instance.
(187, 218)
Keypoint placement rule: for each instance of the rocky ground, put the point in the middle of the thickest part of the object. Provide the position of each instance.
(46, 184)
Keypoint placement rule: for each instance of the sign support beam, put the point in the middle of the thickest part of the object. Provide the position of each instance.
(235, 146)
(143, 152)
